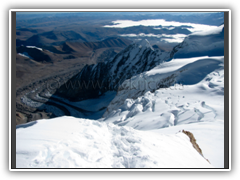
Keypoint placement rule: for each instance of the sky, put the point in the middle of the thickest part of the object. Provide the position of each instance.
(62, 13)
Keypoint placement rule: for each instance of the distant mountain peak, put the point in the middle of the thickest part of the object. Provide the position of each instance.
(207, 43)
(144, 43)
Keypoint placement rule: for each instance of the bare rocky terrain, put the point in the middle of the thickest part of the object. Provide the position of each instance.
(41, 77)
(36, 76)
(49, 51)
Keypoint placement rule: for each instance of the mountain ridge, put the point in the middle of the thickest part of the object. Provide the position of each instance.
(194, 45)
(133, 60)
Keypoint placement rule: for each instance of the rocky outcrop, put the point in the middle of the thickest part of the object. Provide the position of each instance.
(194, 142)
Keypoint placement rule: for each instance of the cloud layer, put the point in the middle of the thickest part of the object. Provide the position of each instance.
(172, 38)
(196, 29)
(157, 22)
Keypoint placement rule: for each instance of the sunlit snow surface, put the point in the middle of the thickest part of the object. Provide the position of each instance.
(69, 142)
(196, 105)
(34, 47)
(25, 54)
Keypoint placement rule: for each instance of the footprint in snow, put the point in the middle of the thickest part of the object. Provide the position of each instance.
(203, 104)
(200, 114)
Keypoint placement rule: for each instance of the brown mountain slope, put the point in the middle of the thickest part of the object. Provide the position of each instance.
(86, 46)
(48, 38)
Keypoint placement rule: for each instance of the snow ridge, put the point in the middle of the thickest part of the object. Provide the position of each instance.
(208, 43)
(145, 43)
(82, 143)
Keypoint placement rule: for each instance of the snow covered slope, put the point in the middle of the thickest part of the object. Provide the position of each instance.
(141, 128)
(198, 103)
(165, 103)
(179, 73)
(206, 43)
(69, 142)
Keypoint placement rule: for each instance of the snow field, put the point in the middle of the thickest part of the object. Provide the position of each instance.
(173, 112)
(163, 109)
(40, 49)
(209, 136)
(198, 107)
(25, 54)
(209, 87)
(68, 142)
